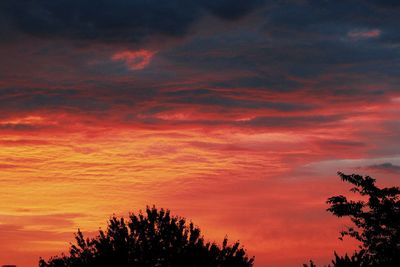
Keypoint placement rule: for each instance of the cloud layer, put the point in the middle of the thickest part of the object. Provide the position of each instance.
(218, 110)
(116, 21)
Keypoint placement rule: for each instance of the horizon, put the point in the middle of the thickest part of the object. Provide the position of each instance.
(236, 115)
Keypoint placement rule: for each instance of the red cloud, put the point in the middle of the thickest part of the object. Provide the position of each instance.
(134, 60)
(364, 34)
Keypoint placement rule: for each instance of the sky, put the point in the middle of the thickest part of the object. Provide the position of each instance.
(234, 114)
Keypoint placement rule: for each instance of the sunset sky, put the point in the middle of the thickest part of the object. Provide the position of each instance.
(234, 114)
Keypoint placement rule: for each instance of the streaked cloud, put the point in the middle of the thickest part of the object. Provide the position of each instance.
(386, 167)
(364, 34)
(214, 109)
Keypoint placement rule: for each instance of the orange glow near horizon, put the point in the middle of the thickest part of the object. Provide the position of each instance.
(236, 116)
(228, 181)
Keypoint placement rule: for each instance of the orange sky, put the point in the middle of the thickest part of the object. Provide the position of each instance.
(265, 187)
(237, 118)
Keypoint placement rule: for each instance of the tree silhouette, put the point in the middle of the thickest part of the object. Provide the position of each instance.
(376, 223)
(148, 240)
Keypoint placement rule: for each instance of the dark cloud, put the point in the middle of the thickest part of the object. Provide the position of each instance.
(291, 57)
(350, 144)
(386, 166)
(23, 99)
(386, 3)
(231, 9)
(307, 42)
(261, 122)
(215, 98)
(22, 127)
(270, 82)
(115, 20)
(319, 16)
(292, 121)
(328, 20)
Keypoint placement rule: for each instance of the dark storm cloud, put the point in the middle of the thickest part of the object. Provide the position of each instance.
(115, 20)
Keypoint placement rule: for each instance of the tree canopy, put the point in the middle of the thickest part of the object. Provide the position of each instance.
(376, 219)
(150, 239)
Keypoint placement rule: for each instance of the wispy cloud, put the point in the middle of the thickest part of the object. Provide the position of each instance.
(134, 60)
(359, 34)
(385, 167)
(214, 109)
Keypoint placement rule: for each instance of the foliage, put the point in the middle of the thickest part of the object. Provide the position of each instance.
(356, 260)
(376, 223)
(311, 264)
(148, 240)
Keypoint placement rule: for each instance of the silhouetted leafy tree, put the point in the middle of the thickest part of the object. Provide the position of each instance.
(311, 264)
(356, 260)
(148, 240)
(376, 220)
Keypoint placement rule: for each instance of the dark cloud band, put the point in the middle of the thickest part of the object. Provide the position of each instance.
(117, 20)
